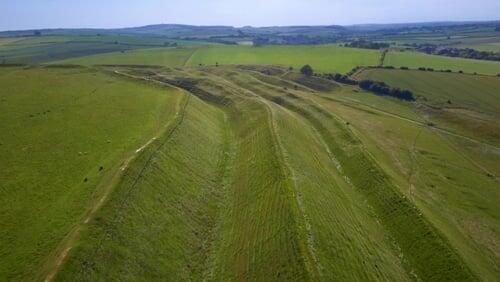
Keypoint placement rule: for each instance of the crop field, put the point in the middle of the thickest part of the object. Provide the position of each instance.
(298, 178)
(36, 50)
(65, 134)
(172, 57)
(322, 58)
(415, 60)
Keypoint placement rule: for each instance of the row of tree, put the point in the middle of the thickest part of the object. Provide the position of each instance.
(377, 87)
(456, 52)
(380, 88)
(294, 40)
(366, 44)
(340, 78)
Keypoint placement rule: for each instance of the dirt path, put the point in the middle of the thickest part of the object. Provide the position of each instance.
(61, 253)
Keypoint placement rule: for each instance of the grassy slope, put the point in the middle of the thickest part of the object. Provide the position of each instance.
(474, 100)
(300, 198)
(447, 194)
(473, 92)
(172, 57)
(416, 60)
(322, 58)
(58, 127)
(160, 217)
(283, 188)
(335, 215)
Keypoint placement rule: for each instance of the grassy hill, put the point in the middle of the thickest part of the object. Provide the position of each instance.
(415, 60)
(218, 162)
(468, 104)
(291, 183)
(66, 133)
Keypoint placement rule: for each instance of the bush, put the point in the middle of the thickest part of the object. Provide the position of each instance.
(340, 78)
(404, 68)
(380, 88)
(307, 70)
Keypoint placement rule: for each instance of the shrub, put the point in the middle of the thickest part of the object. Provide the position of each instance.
(380, 88)
(307, 70)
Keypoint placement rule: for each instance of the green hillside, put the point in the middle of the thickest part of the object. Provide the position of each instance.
(126, 158)
(65, 135)
(290, 184)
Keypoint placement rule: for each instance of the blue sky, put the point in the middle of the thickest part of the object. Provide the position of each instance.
(33, 14)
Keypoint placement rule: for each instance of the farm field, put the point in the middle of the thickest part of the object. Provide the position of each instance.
(415, 60)
(37, 50)
(322, 58)
(65, 135)
(172, 57)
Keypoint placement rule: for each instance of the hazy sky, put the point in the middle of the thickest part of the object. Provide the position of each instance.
(32, 14)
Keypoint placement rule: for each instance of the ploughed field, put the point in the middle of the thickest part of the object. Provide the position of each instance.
(245, 172)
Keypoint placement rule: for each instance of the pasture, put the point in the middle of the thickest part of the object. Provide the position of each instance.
(467, 104)
(291, 180)
(65, 135)
(415, 60)
(327, 58)
(172, 57)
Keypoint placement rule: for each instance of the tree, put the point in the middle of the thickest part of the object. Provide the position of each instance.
(37, 33)
(307, 70)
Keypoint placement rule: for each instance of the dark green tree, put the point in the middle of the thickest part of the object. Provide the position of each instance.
(307, 70)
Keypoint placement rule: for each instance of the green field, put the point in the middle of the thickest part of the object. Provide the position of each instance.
(222, 163)
(322, 58)
(59, 127)
(173, 57)
(36, 50)
(297, 178)
(468, 104)
(415, 60)
(488, 47)
(471, 91)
